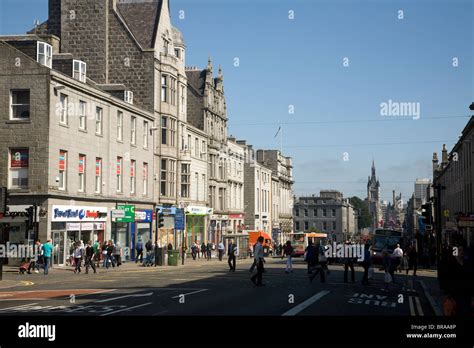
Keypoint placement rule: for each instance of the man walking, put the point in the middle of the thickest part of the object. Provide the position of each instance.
(90, 257)
(288, 251)
(139, 249)
(349, 263)
(412, 259)
(257, 278)
(398, 254)
(183, 252)
(231, 253)
(203, 250)
(220, 249)
(209, 251)
(47, 250)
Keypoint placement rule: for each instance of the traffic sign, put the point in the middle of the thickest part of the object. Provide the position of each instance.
(179, 220)
(118, 213)
(129, 213)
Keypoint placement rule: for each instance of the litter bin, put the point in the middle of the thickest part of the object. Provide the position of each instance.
(173, 256)
(160, 256)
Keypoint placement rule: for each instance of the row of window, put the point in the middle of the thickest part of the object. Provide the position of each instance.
(263, 199)
(19, 166)
(315, 212)
(323, 226)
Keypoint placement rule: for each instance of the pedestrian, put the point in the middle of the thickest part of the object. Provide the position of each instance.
(203, 250)
(316, 262)
(209, 250)
(89, 257)
(118, 254)
(78, 255)
(149, 253)
(366, 264)
(38, 258)
(170, 247)
(389, 268)
(96, 248)
(109, 260)
(231, 253)
(47, 250)
(412, 255)
(139, 249)
(220, 250)
(349, 263)
(104, 254)
(259, 259)
(252, 254)
(398, 256)
(194, 250)
(288, 252)
(184, 248)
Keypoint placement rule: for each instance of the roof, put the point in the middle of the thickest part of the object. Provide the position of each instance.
(142, 18)
(197, 79)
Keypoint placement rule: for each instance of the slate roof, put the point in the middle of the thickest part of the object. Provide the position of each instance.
(142, 19)
(197, 79)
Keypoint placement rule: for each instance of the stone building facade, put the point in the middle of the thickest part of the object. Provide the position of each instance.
(235, 186)
(282, 192)
(329, 213)
(71, 148)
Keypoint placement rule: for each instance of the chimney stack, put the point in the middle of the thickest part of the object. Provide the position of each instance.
(444, 156)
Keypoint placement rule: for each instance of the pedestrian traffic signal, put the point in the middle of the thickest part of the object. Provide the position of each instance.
(426, 213)
(3, 200)
(161, 220)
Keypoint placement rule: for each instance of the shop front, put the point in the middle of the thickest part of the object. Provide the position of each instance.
(235, 223)
(70, 224)
(196, 224)
(142, 229)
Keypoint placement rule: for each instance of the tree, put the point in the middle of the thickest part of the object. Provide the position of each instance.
(362, 207)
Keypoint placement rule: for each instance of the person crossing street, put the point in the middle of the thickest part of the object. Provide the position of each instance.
(231, 252)
(258, 256)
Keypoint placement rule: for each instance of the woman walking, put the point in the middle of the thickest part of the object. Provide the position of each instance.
(78, 255)
(288, 251)
(90, 254)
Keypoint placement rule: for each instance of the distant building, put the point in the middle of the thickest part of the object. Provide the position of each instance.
(373, 199)
(330, 213)
(421, 189)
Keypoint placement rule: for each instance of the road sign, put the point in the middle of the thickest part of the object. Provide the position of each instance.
(129, 213)
(118, 213)
(179, 220)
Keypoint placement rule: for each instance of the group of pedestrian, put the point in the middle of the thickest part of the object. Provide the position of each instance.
(42, 258)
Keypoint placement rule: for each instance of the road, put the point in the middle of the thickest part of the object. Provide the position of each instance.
(207, 288)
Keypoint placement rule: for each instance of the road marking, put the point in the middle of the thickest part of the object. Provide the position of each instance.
(126, 309)
(190, 293)
(27, 283)
(17, 307)
(418, 306)
(412, 308)
(306, 303)
(432, 302)
(124, 296)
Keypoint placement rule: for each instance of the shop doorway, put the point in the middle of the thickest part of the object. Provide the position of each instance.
(59, 243)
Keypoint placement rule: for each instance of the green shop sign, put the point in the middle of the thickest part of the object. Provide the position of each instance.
(129, 213)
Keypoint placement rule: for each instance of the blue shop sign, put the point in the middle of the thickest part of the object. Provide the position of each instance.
(144, 215)
(166, 210)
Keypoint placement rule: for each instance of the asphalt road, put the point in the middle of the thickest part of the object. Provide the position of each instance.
(207, 288)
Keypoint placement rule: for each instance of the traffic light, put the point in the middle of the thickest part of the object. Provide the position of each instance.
(161, 220)
(426, 213)
(3, 200)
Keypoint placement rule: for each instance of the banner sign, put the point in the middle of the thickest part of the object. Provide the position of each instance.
(66, 213)
(19, 158)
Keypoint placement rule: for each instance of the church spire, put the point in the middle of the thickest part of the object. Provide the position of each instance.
(373, 168)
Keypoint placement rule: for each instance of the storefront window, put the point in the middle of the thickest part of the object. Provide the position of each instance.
(195, 229)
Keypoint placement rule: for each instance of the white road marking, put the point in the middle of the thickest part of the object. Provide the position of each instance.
(432, 302)
(305, 304)
(18, 307)
(418, 306)
(124, 296)
(412, 308)
(190, 293)
(126, 309)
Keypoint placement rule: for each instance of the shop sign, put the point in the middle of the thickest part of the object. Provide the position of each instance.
(179, 220)
(87, 226)
(166, 210)
(220, 217)
(117, 213)
(196, 210)
(143, 215)
(73, 226)
(65, 213)
(236, 216)
(99, 226)
(129, 213)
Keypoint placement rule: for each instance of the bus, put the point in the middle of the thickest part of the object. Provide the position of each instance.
(299, 241)
(384, 239)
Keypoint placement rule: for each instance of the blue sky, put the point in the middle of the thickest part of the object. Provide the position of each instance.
(300, 62)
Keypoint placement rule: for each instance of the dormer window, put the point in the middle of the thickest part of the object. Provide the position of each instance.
(79, 70)
(128, 97)
(44, 54)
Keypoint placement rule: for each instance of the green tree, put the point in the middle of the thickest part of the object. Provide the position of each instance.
(363, 212)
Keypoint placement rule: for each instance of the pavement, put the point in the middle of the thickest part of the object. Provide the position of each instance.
(203, 287)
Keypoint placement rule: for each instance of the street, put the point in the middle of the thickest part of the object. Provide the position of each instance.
(203, 287)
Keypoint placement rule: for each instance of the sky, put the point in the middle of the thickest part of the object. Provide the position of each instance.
(335, 62)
